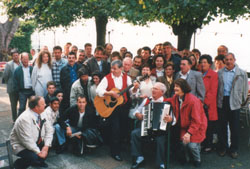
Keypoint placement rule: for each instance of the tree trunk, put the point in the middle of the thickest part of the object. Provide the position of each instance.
(184, 31)
(184, 40)
(101, 23)
(7, 31)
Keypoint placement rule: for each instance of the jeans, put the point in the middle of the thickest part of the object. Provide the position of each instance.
(192, 149)
(28, 158)
(23, 97)
(61, 133)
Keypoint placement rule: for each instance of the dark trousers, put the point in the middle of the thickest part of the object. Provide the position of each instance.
(226, 115)
(211, 129)
(119, 128)
(13, 96)
(28, 158)
(23, 97)
(136, 149)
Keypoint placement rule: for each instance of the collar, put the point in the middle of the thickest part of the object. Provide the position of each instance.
(114, 77)
(233, 70)
(51, 110)
(184, 74)
(162, 70)
(157, 100)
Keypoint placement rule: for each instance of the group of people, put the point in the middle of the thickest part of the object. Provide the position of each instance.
(205, 97)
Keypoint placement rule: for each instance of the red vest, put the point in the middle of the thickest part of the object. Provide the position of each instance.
(111, 85)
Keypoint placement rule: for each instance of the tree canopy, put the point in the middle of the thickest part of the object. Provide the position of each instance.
(184, 16)
(22, 37)
(53, 13)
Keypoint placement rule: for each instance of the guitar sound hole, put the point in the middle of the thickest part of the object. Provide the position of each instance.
(112, 104)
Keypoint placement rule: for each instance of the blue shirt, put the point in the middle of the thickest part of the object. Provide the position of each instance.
(228, 76)
(73, 73)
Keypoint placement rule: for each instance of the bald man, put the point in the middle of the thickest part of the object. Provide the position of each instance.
(22, 82)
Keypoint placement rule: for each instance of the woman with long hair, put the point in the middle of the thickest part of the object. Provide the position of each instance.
(41, 73)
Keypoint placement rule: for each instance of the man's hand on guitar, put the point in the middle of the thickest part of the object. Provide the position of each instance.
(114, 94)
(139, 116)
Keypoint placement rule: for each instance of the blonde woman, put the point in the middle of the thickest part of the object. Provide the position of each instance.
(42, 73)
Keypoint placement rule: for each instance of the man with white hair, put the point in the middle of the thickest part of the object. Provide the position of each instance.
(157, 96)
(127, 68)
(23, 82)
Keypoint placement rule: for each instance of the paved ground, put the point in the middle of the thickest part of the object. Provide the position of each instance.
(99, 158)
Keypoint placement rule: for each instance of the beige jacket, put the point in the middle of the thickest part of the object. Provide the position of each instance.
(24, 134)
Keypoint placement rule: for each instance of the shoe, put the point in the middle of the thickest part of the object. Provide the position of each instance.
(197, 164)
(222, 153)
(60, 149)
(162, 168)
(43, 164)
(117, 157)
(136, 165)
(234, 155)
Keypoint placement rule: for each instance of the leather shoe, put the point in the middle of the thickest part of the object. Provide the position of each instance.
(117, 157)
(44, 165)
(234, 155)
(136, 165)
(222, 153)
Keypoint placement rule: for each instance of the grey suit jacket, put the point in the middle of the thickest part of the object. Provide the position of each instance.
(195, 81)
(239, 88)
(8, 76)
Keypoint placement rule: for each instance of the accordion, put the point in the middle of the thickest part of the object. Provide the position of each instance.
(153, 115)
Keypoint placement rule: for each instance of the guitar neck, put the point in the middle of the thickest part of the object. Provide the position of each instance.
(125, 90)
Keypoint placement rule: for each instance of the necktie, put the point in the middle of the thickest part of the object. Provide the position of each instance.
(39, 120)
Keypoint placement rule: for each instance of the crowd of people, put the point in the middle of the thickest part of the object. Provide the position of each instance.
(62, 85)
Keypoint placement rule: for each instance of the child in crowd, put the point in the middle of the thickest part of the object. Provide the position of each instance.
(51, 87)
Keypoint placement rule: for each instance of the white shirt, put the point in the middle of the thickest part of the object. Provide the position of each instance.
(101, 89)
(79, 124)
(51, 115)
(184, 76)
(160, 73)
(27, 77)
(15, 66)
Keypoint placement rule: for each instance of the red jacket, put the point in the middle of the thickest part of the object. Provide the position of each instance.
(192, 117)
(211, 84)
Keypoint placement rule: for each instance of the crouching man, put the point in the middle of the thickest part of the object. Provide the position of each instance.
(31, 136)
(73, 122)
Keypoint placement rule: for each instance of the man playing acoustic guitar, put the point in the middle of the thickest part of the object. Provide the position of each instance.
(118, 80)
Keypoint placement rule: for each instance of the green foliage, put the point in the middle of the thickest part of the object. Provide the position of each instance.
(54, 13)
(22, 37)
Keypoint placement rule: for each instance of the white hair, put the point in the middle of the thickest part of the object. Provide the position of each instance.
(161, 86)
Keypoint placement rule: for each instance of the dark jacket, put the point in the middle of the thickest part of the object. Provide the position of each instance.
(72, 116)
(176, 60)
(93, 66)
(66, 83)
(18, 78)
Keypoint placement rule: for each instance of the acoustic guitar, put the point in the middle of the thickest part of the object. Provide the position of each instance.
(107, 104)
